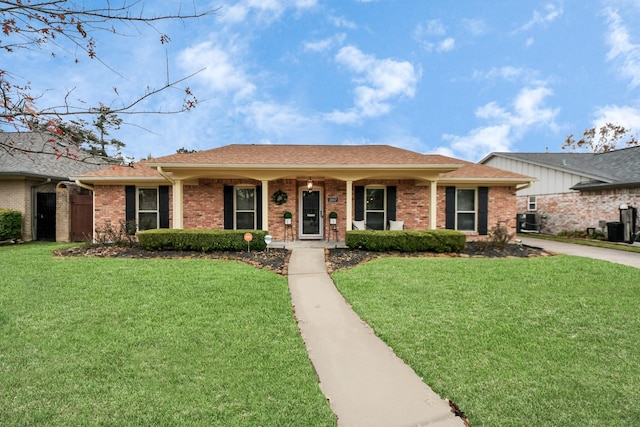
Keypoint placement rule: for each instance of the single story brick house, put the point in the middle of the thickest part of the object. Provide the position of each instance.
(242, 186)
(577, 191)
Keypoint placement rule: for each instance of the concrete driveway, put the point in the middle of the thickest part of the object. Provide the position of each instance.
(612, 255)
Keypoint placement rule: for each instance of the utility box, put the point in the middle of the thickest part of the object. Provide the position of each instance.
(615, 232)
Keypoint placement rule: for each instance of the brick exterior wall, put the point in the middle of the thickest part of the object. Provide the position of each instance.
(203, 204)
(109, 205)
(16, 195)
(579, 210)
(63, 213)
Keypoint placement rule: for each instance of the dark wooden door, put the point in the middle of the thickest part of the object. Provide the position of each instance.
(81, 217)
(46, 216)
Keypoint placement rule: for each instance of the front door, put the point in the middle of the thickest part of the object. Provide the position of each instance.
(46, 216)
(310, 214)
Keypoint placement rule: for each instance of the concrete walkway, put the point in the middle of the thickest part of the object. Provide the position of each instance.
(620, 257)
(365, 382)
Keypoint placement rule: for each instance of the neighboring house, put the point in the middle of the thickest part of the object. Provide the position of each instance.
(577, 191)
(252, 186)
(34, 180)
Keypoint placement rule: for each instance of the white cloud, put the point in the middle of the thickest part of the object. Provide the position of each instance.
(264, 10)
(623, 51)
(446, 45)
(221, 74)
(342, 22)
(480, 141)
(274, 119)
(551, 13)
(425, 33)
(477, 27)
(626, 116)
(506, 126)
(325, 44)
(378, 82)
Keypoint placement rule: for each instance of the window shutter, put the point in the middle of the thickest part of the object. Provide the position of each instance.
(163, 199)
(391, 203)
(228, 207)
(130, 208)
(450, 208)
(359, 203)
(259, 208)
(483, 210)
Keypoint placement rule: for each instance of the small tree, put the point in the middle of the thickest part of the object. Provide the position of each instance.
(600, 140)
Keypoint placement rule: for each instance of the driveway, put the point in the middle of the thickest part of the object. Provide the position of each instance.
(612, 255)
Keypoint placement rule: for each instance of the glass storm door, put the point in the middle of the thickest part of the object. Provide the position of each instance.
(310, 214)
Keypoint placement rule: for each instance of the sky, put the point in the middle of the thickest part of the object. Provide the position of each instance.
(461, 78)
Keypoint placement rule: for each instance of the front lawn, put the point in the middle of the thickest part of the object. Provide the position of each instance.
(514, 342)
(91, 341)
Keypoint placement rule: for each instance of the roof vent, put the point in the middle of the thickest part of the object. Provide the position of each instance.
(564, 162)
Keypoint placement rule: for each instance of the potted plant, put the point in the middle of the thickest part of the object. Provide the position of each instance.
(287, 217)
(333, 218)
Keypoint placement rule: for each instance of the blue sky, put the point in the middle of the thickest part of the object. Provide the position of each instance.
(461, 78)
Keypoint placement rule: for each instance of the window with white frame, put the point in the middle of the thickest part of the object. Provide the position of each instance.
(374, 207)
(533, 204)
(245, 208)
(147, 213)
(466, 209)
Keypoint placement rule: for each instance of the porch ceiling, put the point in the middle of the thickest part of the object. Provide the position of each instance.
(270, 173)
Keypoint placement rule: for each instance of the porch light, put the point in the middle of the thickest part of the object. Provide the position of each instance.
(310, 185)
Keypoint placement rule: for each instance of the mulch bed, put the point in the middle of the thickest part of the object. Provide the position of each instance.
(276, 260)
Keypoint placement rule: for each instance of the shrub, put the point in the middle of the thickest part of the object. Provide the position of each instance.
(10, 224)
(201, 240)
(499, 236)
(407, 240)
(120, 235)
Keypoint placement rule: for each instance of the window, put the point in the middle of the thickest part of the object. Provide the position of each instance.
(374, 207)
(245, 208)
(147, 208)
(533, 205)
(465, 209)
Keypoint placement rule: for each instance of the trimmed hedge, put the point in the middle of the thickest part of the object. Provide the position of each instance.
(440, 241)
(201, 240)
(10, 224)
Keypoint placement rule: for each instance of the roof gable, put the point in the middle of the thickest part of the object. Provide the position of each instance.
(618, 166)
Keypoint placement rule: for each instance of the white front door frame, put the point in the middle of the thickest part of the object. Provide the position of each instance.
(311, 218)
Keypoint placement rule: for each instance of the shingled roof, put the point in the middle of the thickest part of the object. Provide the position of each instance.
(307, 155)
(616, 168)
(310, 157)
(33, 155)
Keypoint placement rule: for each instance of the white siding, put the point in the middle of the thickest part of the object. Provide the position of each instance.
(550, 181)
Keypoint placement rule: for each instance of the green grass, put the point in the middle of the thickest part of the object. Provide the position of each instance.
(514, 342)
(88, 341)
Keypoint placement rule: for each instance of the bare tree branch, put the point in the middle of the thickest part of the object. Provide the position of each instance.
(63, 26)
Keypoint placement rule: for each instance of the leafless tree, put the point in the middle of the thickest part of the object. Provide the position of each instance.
(54, 26)
(600, 140)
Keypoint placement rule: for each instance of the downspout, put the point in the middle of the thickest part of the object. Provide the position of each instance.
(525, 186)
(34, 211)
(165, 176)
(85, 186)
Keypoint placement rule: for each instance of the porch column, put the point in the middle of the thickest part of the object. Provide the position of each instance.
(349, 205)
(178, 211)
(433, 204)
(265, 205)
